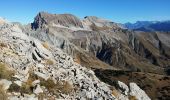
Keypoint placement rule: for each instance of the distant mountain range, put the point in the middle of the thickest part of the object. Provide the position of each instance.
(149, 26)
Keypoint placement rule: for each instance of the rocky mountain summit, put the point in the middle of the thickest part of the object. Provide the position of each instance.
(66, 20)
(60, 56)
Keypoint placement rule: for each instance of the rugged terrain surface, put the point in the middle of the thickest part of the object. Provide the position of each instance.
(106, 41)
(55, 56)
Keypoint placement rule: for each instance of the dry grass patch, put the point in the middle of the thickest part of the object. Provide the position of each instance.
(45, 45)
(5, 73)
(56, 88)
(3, 94)
(77, 60)
(132, 98)
(49, 62)
(14, 88)
(115, 93)
(2, 45)
(26, 87)
(41, 96)
(66, 87)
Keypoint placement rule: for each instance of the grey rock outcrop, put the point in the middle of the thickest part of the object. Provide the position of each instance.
(19, 53)
(132, 91)
(5, 83)
(137, 92)
(101, 23)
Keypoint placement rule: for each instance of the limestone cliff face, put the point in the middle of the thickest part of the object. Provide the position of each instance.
(152, 47)
(107, 43)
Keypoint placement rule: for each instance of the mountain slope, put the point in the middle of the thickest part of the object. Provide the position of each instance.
(32, 69)
(61, 49)
(102, 44)
(108, 43)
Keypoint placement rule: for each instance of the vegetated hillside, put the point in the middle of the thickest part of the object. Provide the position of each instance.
(156, 86)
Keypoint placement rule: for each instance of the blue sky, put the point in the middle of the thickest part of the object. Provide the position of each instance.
(121, 11)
